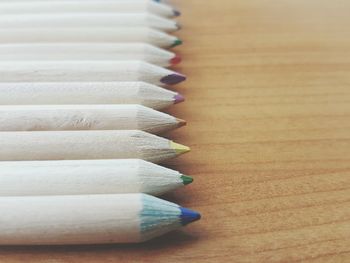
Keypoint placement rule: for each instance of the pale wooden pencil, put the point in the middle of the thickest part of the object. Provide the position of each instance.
(74, 145)
(85, 117)
(36, 93)
(88, 20)
(88, 219)
(46, 71)
(89, 51)
(84, 35)
(87, 177)
(75, 6)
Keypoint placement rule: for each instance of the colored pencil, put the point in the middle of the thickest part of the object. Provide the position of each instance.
(34, 93)
(162, 1)
(89, 20)
(88, 219)
(87, 177)
(84, 35)
(74, 145)
(46, 71)
(89, 51)
(75, 6)
(85, 117)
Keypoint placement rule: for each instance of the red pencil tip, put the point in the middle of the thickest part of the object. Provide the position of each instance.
(175, 60)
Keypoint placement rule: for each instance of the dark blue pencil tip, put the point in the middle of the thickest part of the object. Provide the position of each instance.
(176, 12)
(172, 79)
(188, 216)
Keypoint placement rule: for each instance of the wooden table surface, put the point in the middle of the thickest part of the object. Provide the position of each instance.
(268, 108)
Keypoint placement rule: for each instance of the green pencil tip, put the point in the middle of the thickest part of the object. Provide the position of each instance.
(176, 42)
(186, 179)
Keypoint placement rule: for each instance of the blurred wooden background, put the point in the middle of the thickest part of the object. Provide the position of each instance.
(268, 111)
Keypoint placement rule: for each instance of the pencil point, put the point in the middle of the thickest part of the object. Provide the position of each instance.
(180, 122)
(179, 148)
(188, 216)
(177, 42)
(175, 60)
(178, 98)
(173, 79)
(178, 26)
(186, 179)
(176, 12)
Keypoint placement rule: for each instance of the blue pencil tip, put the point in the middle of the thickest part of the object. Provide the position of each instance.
(188, 216)
(176, 12)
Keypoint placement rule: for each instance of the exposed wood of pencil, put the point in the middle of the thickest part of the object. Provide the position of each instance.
(74, 145)
(39, 93)
(85, 117)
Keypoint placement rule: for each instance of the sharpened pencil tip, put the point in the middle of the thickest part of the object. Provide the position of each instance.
(180, 122)
(178, 98)
(179, 148)
(176, 42)
(188, 216)
(176, 59)
(186, 179)
(176, 12)
(178, 26)
(173, 79)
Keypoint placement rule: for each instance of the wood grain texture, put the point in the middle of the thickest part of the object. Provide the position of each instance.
(268, 107)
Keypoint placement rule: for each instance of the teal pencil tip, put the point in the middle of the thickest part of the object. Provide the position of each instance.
(177, 42)
(186, 179)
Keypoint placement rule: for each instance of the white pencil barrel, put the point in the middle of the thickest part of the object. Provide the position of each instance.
(87, 51)
(83, 35)
(84, 117)
(70, 219)
(37, 93)
(75, 145)
(86, 177)
(74, 6)
(85, 219)
(45, 71)
(89, 20)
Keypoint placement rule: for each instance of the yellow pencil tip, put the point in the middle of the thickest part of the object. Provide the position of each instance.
(179, 148)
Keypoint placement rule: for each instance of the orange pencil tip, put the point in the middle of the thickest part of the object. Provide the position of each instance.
(180, 122)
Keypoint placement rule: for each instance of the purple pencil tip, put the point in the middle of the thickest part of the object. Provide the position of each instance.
(178, 98)
(173, 79)
(177, 12)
